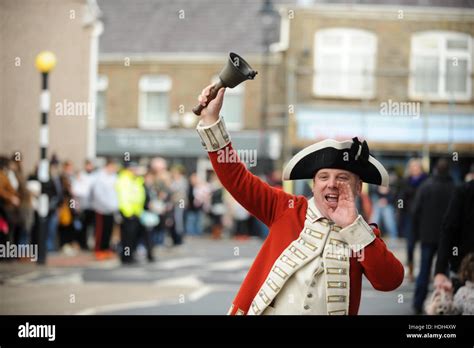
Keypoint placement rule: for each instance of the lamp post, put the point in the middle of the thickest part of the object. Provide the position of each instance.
(45, 62)
(268, 15)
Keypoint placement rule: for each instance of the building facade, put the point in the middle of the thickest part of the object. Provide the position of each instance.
(70, 29)
(151, 74)
(399, 76)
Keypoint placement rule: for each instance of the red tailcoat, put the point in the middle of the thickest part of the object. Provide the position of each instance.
(285, 214)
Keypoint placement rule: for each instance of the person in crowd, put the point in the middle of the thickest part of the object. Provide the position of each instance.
(383, 210)
(4, 227)
(82, 187)
(457, 239)
(464, 297)
(104, 202)
(430, 204)
(53, 188)
(9, 202)
(274, 179)
(149, 219)
(198, 197)
(34, 188)
(25, 208)
(15, 220)
(217, 208)
(67, 214)
(131, 200)
(158, 165)
(414, 177)
(178, 189)
(67, 172)
(241, 220)
(162, 183)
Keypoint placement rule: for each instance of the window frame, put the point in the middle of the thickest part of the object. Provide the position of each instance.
(145, 87)
(443, 54)
(345, 91)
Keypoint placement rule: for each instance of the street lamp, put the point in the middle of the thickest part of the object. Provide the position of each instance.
(45, 62)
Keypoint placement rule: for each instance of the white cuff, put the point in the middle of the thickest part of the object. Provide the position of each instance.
(215, 136)
(358, 234)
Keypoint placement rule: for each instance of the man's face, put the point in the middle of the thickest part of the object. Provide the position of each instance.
(111, 168)
(325, 191)
(415, 168)
(89, 167)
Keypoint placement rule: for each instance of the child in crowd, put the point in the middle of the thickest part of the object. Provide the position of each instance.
(464, 297)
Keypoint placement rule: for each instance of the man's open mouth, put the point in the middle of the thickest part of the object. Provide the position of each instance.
(331, 199)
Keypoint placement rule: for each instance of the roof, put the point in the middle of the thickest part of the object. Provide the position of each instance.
(205, 26)
(164, 26)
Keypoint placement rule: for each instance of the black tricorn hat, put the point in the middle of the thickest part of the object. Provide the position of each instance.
(350, 155)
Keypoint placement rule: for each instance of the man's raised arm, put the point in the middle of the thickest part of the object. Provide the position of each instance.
(259, 198)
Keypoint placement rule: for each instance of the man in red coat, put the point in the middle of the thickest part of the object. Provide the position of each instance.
(317, 250)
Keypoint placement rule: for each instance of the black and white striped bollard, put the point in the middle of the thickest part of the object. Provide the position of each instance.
(45, 62)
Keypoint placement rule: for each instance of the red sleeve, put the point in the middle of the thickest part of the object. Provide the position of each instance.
(381, 267)
(260, 199)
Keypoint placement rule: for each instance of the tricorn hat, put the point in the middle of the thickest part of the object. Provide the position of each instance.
(350, 155)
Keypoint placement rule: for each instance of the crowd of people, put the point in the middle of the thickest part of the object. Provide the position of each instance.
(437, 213)
(114, 209)
(117, 207)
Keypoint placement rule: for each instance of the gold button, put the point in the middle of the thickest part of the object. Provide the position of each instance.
(306, 307)
(309, 295)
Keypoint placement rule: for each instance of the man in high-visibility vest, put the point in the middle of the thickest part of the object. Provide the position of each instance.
(131, 197)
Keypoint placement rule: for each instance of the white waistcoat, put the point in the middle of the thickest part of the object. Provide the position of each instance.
(311, 276)
(303, 294)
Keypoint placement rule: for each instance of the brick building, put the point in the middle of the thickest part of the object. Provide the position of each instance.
(156, 56)
(397, 73)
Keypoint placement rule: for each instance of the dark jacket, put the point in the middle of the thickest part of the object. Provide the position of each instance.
(457, 229)
(407, 191)
(429, 207)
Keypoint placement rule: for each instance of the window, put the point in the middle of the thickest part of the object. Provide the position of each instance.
(154, 101)
(441, 65)
(344, 63)
(100, 106)
(233, 106)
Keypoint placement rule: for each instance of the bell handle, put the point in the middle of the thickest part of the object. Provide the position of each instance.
(212, 94)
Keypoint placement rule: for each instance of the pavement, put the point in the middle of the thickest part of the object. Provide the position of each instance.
(200, 277)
